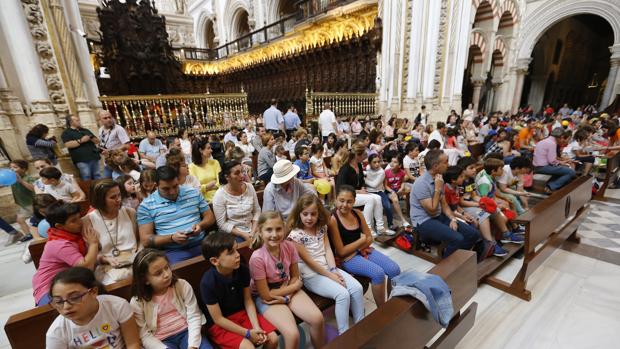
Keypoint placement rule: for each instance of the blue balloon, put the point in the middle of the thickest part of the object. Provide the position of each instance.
(7, 177)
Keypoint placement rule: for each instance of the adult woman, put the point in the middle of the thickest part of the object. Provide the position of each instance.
(205, 168)
(235, 203)
(39, 145)
(356, 127)
(352, 173)
(185, 179)
(117, 230)
(389, 128)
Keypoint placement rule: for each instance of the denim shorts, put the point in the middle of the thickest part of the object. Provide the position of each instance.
(479, 214)
(261, 307)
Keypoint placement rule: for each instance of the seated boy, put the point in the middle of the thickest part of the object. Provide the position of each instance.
(61, 190)
(510, 184)
(485, 186)
(411, 164)
(225, 290)
(65, 248)
(303, 161)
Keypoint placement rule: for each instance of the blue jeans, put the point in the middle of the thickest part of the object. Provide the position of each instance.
(349, 297)
(376, 267)
(182, 254)
(387, 207)
(107, 171)
(180, 341)
(560, 175)
(8, 228)
(89, 169)
(438, 229)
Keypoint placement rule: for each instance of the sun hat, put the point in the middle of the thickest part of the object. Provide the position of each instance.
(283, 171)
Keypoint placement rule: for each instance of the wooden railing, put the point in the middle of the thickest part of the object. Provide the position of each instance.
(167, 114)
(342, 103)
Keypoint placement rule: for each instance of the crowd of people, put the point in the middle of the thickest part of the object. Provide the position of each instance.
(325, 198)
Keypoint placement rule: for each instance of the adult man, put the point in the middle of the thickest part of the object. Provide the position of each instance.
(440, 136)
(565, 110)
(232, 135)
(422, 117)
(546, 160)
(327, 122)
(82, 145)
(174, 218)
(525, 136)
(291, 121)
(282, 192)
(491, 125)
(111, 136)
(150, 149)
(173, 144)
(257, 141)
(431, 213)
(273, 119)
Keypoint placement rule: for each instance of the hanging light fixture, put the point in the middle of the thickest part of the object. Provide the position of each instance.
(594, 82)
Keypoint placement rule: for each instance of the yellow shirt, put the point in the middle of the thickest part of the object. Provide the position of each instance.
(209, 171)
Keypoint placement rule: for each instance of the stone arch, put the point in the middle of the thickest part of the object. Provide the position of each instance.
(510, 7)
(483, 11)
(278, 8)
(550, 13)
(477, 50)
(240, 24)
(231, 12)
(205, 20)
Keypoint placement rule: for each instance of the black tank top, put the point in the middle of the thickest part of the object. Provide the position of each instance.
(348, 236)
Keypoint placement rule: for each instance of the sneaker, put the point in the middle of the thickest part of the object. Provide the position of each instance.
(509, 237)
(389, 232)
(520, 229)
(25, 238)
(498, 251)
(13, 238)
(26, 257)
(373, 233)
(406, 225)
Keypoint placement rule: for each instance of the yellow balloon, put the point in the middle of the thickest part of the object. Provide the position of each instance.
(322, 186)
(565, 123)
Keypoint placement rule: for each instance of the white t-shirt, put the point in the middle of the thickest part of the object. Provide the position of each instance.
(508, 178)
(186, 146)
(436, 135)
(315, 245)
(62, 191)
(103, 331)
(412, 164)
(318, 164)
(570, 149)
(326, 122)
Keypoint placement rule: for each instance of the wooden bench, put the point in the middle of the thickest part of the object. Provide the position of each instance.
(547, 225)
(27, 329)
(613, 164)
(403, 322)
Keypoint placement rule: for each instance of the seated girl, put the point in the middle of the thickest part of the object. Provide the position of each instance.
(165, 307)
(277, 285)
(352, 242)
(308, 225)
(129, 191)
(87, 319)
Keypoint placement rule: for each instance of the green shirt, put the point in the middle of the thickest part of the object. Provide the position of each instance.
(22, 196)
(86, 151)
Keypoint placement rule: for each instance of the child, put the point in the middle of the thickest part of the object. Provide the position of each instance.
(129, 191)
(165, 307)
(411, 164)
(50, 176)
(280, 152)
(329, 146)
(352, 242)
(510, 183)
(65, 248)
(277, 285)
(394, 184)
(303, 157)
(247, 148)
(39, 224)
(23, 194)
(225, 290)
(148, 183)
(308, 225)
(317, 166)
(375, 184)
(485, 186)
(87, 319)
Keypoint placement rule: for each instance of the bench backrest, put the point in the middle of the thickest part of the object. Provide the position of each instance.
(27, 329)
(405, 320)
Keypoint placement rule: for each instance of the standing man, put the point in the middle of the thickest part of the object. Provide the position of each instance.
(422, 117)
(82, 145)
(273, 120)
(112, 137)
(150, 149)
(327, 122)
(291, 122)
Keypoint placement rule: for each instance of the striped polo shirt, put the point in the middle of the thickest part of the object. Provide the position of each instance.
(169, 217)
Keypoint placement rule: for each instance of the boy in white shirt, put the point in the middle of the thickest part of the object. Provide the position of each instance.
(510, 183)
(61, 190)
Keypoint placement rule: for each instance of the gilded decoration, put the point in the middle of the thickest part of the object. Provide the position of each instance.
(323, 33)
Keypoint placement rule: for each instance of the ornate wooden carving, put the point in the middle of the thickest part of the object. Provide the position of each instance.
(136, 49)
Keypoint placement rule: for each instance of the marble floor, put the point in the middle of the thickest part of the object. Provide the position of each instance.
(575, 300)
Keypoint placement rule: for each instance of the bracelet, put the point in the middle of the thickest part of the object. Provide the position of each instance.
(286, 299)
(332, 269)
(247, 334)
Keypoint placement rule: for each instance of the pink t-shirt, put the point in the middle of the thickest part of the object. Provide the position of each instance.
(58, 255)
(264, 266)
(169, 320)
(395, 179)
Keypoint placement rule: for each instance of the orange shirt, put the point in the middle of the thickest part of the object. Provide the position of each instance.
(525, 136)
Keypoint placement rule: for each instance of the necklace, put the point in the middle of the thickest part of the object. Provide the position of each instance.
(115, 250)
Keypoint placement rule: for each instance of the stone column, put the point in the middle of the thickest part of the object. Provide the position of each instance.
(614, 66)
(497, 85)
(475, 99)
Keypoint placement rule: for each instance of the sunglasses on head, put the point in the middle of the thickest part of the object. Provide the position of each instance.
(280, 267)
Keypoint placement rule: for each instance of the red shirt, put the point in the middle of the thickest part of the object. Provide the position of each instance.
(452, 196)
(395, 180)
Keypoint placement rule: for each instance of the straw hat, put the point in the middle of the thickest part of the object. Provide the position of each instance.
(283, 171)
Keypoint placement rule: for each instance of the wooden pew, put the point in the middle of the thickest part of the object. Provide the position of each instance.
(547, 225)
(403, 322)
(36, 251)
(613, 164)
(27, 329)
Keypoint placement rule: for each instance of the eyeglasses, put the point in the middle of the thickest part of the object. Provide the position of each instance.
(58, 302)
(280, 267)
